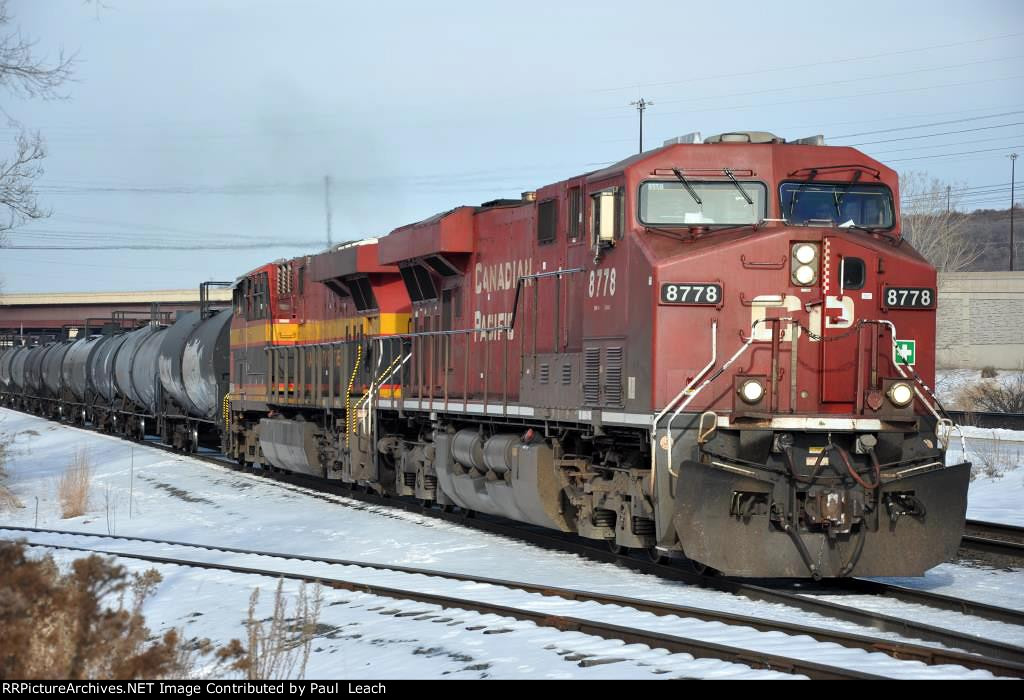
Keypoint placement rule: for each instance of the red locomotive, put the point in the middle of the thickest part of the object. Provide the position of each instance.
(720, 350)
(716, 350)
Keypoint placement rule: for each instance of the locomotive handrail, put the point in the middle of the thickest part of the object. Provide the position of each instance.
(944, 421)
(668, 407)
(693, 394)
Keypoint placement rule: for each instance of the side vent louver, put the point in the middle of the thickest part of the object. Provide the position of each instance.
(613, 376)
(567, 374)
(591, 375)
(544, 373)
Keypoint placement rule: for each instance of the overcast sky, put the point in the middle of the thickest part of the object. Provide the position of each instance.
(214, 122)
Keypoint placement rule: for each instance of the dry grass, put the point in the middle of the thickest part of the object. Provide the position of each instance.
(996, 458)
(8, 501)
(87, 623)
(279, 646)
(999, 396)
(74, 486)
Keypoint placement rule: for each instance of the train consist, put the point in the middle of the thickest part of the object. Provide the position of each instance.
(719, 350)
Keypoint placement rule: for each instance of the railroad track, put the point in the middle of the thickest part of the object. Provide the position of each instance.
(1000, 543)
(802, 599)
(671, 642)
(989, 419)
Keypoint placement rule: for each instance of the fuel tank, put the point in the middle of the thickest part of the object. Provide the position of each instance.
(125, 360)
(18, 369)
(6, 363)
(34, 369)
(205, 364)
(169, 362)
(144, 374)
(53, 378)
(76, 361)
(101, 365)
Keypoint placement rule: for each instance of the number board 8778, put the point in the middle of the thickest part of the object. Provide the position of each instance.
(691, 293)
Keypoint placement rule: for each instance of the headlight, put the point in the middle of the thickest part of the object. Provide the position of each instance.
(751, 391)
(805, 254)
(901, 394)
(805, 275)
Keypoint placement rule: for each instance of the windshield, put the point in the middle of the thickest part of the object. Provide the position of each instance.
(836, 204)
(702, 204)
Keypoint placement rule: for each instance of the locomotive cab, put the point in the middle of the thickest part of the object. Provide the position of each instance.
(793, 358)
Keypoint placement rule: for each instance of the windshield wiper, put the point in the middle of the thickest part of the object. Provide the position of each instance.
(813, 173)
(728, 174)
(846, 190)
(869, 229)
(688, 186)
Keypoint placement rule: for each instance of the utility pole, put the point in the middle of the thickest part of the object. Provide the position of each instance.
(948, 190)
(1013, 183)
(327, 206)
(641, 105)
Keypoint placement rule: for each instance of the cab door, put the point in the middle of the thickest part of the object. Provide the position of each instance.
(847, 285)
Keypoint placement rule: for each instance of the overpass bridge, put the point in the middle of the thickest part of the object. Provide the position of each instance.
(43, 317)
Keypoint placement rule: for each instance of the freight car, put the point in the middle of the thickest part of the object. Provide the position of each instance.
(717, 350)
(166, 380)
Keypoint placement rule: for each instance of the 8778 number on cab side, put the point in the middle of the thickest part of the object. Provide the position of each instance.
(697, 293)
(908, 298)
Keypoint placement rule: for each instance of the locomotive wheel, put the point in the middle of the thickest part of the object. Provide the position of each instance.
(656, 555)
(701, 569)
(616, 548)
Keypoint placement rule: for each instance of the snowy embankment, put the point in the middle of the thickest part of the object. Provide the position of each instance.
(997, 488)
(144, 492)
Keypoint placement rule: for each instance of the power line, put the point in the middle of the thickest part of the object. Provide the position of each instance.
(832, 82)
(940, 133)
(850, 59)
(963, 153)
(923, 126)
(946, 145)
(971, 83)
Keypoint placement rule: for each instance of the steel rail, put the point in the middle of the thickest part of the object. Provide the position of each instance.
(897, 649)
(654, 640)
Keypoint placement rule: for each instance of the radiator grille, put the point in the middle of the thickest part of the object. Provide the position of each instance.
(591, 375)
(613, 376)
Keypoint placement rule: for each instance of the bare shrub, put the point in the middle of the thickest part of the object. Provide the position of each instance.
(989, 372)
(86, 623)
(74, 486)
(996, 458)
(1006, 396)
(279, 646)
(8, 501)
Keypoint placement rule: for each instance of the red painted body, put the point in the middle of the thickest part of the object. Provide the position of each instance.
(663, 347)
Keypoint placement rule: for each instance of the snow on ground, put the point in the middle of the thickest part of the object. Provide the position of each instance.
(177, 498)
(996, 493)
(748, 638)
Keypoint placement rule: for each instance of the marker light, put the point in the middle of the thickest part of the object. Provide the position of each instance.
(805, 254)
(901, 394)
(804, 264)
(804, 275)
(751, 391)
